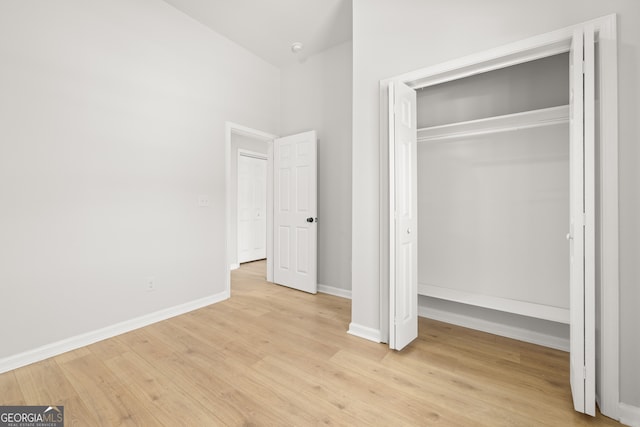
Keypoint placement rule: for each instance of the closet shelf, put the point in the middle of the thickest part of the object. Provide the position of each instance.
(507, 305)
(510, 122)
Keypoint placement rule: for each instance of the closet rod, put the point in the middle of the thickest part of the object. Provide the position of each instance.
(510, 122)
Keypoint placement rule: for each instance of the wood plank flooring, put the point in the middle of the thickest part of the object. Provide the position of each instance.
(272, 356)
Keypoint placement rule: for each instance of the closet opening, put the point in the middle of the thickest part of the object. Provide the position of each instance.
(493, 195)
(496, 185)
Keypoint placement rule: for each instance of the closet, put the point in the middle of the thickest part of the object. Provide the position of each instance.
(493, 190)
(500, 197)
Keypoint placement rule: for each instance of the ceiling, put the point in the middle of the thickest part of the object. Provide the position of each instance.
(269, 27)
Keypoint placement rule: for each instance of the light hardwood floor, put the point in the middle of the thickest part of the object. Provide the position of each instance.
(275, 356)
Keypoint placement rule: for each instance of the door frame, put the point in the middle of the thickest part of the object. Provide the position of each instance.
(607, 302)
(236, 129)
(253, 154)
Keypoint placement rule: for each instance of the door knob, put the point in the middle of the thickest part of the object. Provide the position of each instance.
(310, 219)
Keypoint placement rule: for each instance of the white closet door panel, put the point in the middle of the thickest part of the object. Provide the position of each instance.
(259, 247)
(581, 232)
(404, 236)
(589, 224)
(244, 209)
(251, 208)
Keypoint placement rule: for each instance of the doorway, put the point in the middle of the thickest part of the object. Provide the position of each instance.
(245, 140)
(291, 204)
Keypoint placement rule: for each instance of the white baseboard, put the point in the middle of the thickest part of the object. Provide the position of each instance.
(629, 415)
(234, 266)
(339, 292)
(364, 332)
(494, 328)
(46, 351)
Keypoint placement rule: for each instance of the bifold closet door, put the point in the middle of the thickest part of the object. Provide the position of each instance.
(403, 193)
(581, 234)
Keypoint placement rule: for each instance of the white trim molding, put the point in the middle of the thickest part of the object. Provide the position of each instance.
(248, 153)
(331, 290)
(364, 332)
(495, 328)
(629, 415)
(234, 266)
(72, 343)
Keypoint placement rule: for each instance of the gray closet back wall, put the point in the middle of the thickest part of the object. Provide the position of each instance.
(493, 208)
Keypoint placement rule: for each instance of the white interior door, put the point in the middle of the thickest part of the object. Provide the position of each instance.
(295, 212)
(582, 223)
(252, 207)
(403, 294)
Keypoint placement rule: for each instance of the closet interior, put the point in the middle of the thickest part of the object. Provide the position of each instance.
(493, 190)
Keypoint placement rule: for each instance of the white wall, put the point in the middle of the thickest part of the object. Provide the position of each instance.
(390, 38)
(316, 94)
(246, 143)
(111, 124)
